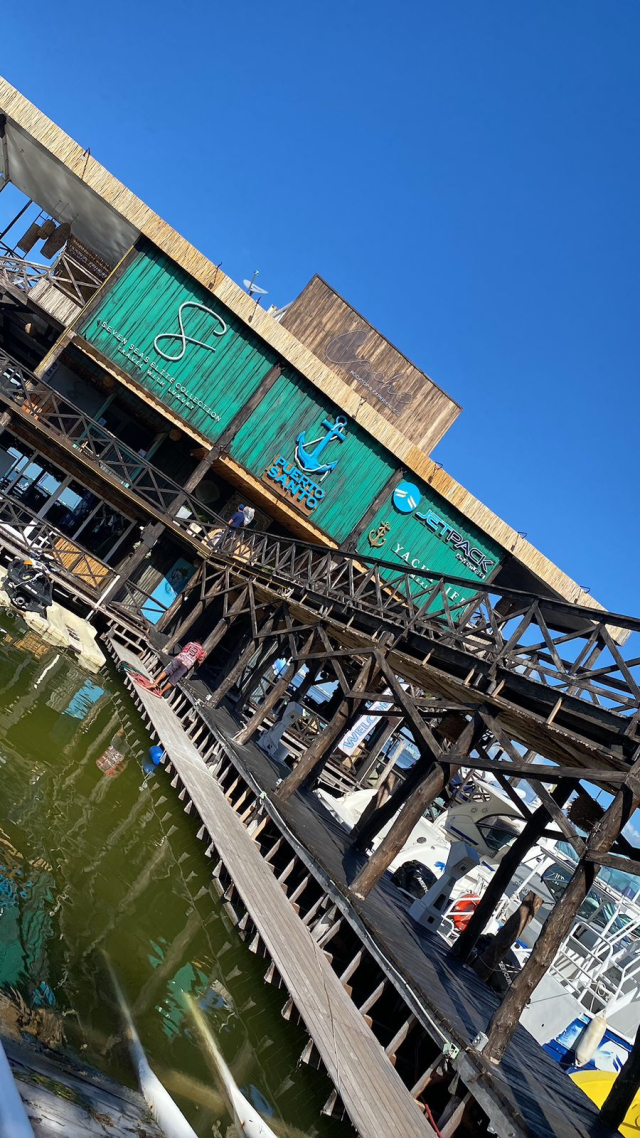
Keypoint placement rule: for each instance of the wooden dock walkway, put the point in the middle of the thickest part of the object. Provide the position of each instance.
(373, 1094)
(531, 1094)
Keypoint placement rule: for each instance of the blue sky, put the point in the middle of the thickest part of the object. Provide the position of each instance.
(465, 174)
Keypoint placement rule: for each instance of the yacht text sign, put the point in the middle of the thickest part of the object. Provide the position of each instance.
(429, 538)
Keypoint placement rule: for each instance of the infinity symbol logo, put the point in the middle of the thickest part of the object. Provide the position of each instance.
(182, 337)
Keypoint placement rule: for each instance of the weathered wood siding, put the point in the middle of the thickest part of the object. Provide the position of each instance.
(432, 536)
(68, 157)
(294, 406)
(153, 309)
(361, 356)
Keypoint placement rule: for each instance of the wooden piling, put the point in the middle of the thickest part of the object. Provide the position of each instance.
(321, 747)
(559, 921)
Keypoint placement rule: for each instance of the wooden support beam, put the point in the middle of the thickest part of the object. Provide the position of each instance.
(384, 788)
(351, 540)
(148, 538)
(225, 685)
(432, 785)
(452, 1115)
(614, 861)
(497, 886)
(565, 824)
(508, 935)
(197, 612)
(427, 783)
(225, 622)
(367, 828)
(364, 768)
(542, 773)
(168, 617)
(315, 755)
(559, 921)
(277, 691)
(518, 802)
(332, 659)
(624, 1089)
(263, 665)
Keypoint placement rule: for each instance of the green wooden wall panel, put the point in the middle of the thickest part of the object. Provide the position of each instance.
(139, 318)
(363, 467)
(431, 535)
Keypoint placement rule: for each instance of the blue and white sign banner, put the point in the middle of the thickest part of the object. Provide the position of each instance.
(362, 726)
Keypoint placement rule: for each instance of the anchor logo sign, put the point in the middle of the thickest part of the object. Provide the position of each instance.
(311, 460)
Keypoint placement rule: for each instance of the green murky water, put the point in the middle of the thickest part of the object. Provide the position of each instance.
(92, 865)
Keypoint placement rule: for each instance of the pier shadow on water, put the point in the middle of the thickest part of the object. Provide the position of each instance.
(95, 864)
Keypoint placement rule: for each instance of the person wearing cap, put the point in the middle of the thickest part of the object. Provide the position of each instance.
(236, 521)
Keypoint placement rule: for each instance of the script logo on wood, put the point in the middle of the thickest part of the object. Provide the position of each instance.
(182, 337)
(343, 351)
(145, 366)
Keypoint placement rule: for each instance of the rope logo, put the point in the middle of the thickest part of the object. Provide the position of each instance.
(182, 337)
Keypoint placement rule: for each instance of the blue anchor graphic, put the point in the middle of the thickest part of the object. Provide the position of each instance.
(311, 461)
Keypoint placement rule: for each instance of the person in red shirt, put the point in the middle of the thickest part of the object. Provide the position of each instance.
(190, 656)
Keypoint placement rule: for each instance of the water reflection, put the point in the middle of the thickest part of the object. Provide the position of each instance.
(92, 866)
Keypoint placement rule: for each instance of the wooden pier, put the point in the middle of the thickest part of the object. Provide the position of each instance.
(64, 1097)
(360, 1071)
(230, 787)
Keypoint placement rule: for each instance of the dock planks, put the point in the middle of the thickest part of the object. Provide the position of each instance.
(531, 1092)
(368, 1086)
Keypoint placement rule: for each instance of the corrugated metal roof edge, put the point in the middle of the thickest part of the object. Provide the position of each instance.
(89, 171)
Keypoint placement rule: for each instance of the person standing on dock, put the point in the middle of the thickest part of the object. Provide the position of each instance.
(189, 657)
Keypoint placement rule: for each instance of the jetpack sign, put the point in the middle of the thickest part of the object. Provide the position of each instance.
(407, 499)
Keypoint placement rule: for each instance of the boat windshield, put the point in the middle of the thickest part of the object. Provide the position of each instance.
(594, 908)
(497, 833)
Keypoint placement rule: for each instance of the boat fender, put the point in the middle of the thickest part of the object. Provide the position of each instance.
(590, 1040)
(156, 754)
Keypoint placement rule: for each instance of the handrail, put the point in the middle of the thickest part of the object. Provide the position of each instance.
(22, 529)
(63, 418)
(69, 421)
(25, 275)
(520, 641)
(550, 641)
